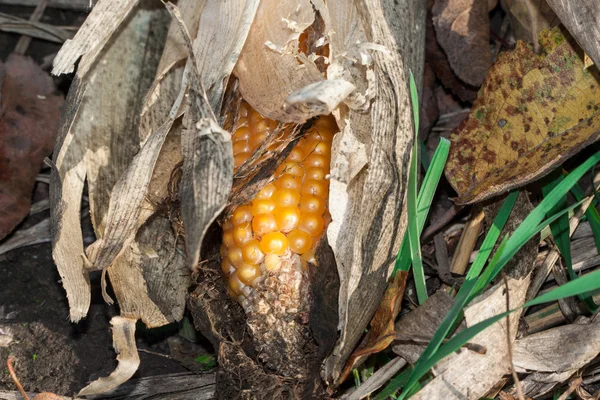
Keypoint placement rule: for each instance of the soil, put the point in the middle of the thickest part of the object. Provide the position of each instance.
(52, 354)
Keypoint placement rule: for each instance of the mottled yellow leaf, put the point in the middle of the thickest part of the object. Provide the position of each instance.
(532, 113)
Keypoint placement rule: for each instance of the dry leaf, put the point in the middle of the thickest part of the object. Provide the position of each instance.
(463, 30)
(103, 21)
(98, 139)
(438, 61)
(381, 332)
(459, 376)
(125, 345)
(422, 323)
(532, 113)
(362, 236)
(30, 111)
(564, 348)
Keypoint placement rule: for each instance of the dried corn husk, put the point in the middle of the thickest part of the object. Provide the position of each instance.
(184, 74)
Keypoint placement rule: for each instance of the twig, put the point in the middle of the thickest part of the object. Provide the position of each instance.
(509, 343)
(9, 364)
(377, 380)
(154, 353)
(553, 255)
(441, 223)
(466, 243)
(575, 383)
(24, 41)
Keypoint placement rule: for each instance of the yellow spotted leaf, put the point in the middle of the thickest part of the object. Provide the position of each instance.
(532, 113)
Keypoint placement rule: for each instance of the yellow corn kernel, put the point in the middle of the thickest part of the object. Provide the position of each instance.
(288, 216)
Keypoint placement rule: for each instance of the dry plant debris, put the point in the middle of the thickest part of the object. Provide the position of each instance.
(462, 29)
(176, 163)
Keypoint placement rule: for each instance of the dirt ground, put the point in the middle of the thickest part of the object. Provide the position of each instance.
(52, 354)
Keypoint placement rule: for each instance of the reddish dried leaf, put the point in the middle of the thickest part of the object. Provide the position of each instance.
(28, 125)
(532, 113)
(463, 30)
(381, 332)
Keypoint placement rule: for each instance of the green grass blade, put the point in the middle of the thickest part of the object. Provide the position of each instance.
(492, 237)
(559, 228)
(561, 232)
(463, 294)
(428, 188)
(528, 228)
(579, 286)
(413, 228)
(511, 246)
(396, 382)
(592, 214)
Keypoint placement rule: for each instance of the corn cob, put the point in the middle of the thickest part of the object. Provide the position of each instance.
(269, 243)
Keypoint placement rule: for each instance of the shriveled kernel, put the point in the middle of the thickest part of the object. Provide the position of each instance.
(235, 284)
(241, 215)
(300, 241)
(252, 253)
(286, 197)
(266, 192)
(234, 256)
(287, 218)
(223, 250)
(264, 223)
(315, 188)
(287, 181)
(242, 233)
(272, 262)
(274, 242)
(311, 223)
(312, 204)
(247, 273)
(262, 206)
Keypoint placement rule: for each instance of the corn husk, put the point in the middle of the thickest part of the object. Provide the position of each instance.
(157, 114)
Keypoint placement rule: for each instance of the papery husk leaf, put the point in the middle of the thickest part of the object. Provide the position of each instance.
(124, 343)
(106, 17)
(98, 138)
(368, 210)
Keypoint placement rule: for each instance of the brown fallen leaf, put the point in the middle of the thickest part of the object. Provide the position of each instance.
(381, 333)
(438, 61)
(532, 113)
(30, 110)
(463, 30)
